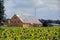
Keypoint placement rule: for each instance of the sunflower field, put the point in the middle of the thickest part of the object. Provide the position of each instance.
(34, 33)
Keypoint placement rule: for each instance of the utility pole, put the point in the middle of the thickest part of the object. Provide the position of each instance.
(35, 11)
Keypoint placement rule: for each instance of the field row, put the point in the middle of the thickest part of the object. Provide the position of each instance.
(34, 33)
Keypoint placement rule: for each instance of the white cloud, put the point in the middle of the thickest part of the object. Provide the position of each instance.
(39, 3)
(21, 1)
(53, 7)
(14, 6)
(9, 4)
(25, 11)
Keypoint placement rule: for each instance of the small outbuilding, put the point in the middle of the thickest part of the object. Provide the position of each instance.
(24, 21)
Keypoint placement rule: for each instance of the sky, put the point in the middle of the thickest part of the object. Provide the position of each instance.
(45, 9)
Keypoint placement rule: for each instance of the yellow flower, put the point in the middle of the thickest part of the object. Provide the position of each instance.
(9, 38)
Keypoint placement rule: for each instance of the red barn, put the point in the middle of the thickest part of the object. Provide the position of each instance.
(24, 21)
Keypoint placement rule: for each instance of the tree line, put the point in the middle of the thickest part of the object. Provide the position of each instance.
(2, 18)
(45, 22)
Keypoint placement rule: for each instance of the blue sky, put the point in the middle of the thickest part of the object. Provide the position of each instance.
(45, 9)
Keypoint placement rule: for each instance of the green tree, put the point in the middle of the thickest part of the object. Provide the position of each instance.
(1, 11)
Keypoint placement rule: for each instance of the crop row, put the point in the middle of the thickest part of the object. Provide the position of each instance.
(29, 33)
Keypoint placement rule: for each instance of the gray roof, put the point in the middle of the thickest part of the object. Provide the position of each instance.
(29, 19)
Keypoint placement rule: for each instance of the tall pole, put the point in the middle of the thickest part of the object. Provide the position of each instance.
(35, 12)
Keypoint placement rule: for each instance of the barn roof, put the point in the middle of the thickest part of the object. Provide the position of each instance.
(29, 19)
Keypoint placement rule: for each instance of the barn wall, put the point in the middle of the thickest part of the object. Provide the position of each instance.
(26, 25)
(37, 25)
(15, 21)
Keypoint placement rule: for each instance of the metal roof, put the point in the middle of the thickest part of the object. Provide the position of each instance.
(29, 19)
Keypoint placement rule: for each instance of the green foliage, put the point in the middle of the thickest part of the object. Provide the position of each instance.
(1, 11)
(34, 33)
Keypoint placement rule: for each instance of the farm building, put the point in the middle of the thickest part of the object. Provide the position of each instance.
(24, 21)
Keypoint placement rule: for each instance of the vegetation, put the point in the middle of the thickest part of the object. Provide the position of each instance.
(34, 33)
(46, 22)
(1, 12)
(50, 21)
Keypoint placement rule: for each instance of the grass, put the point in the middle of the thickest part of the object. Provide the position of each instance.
(34, 33)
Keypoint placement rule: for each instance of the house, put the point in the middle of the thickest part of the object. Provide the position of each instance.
(24, 21)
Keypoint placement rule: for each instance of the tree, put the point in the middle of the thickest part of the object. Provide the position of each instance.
(44, 22)
(1, 11)
(41, 20)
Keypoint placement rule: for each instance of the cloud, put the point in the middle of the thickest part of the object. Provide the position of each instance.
(47, 4)
(31, 3)
(53, 7)
(25, 11)
(53, 4)
(39, 2)
(27, 6)
(9, 4)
